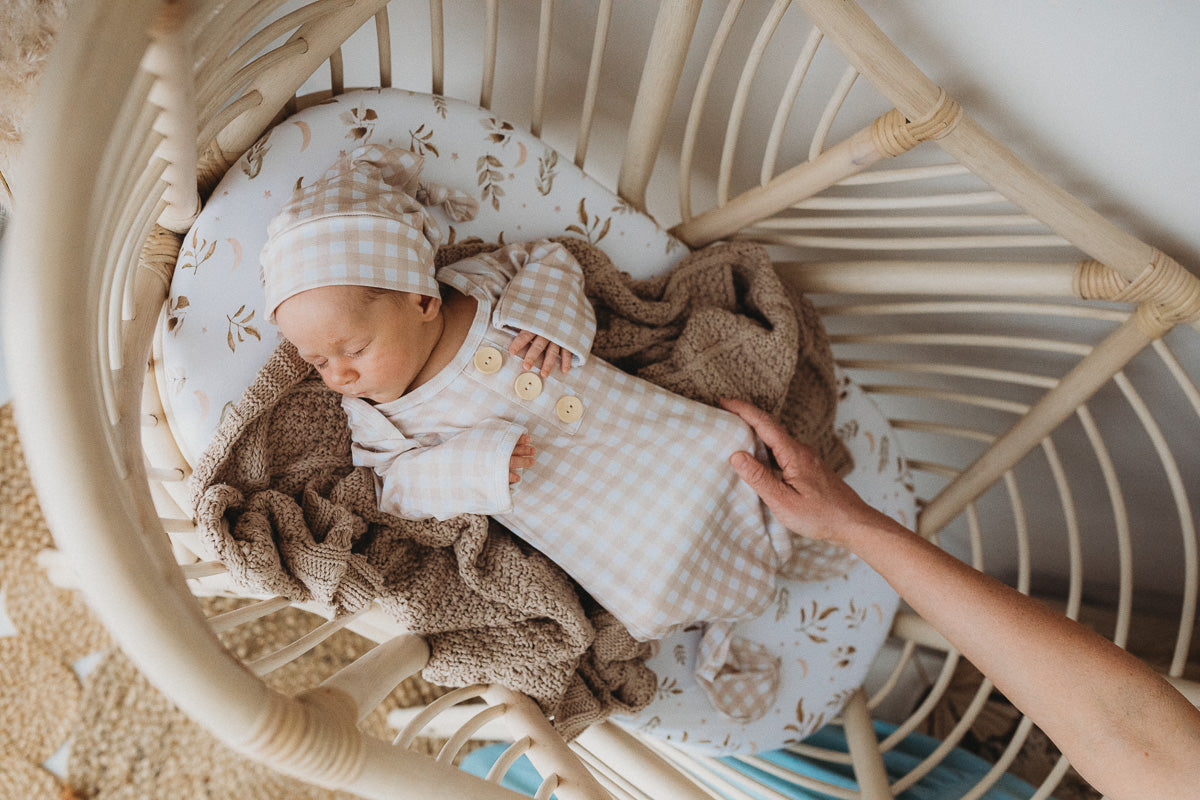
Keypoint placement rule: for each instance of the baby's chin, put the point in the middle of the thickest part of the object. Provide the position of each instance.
(368, 396)
(375, 398)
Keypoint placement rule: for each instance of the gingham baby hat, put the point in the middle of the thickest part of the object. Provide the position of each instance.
(364, 222)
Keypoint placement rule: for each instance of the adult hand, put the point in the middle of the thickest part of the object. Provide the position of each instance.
(1128, 732)
(804, 495)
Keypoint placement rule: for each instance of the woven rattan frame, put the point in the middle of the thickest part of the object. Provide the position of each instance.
(1013, 348)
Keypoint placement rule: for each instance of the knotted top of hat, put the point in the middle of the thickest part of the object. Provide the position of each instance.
(364, 222)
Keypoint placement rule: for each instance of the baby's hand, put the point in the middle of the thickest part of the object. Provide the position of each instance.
(522, 457)
(540, 347)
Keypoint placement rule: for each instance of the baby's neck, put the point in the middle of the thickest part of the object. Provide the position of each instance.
(458, 312)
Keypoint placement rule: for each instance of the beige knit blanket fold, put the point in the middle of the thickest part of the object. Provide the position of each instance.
(278, 501)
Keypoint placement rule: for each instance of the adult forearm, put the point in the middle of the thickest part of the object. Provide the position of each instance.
(1120, 724)
(1126, 730)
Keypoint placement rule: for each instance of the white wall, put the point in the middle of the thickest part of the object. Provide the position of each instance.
(1104, 96)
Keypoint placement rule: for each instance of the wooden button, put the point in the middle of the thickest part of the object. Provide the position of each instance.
(528, 386)
(488, 360)
(569, 408)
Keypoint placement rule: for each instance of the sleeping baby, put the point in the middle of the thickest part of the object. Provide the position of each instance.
(470, 389)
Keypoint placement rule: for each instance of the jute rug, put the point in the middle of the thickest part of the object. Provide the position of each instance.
(126, 741)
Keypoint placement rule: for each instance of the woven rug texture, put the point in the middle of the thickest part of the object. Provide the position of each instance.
(125, 740)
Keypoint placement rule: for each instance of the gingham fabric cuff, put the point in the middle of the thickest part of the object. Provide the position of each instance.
(739, 676)
(546, 297)
(466, 474)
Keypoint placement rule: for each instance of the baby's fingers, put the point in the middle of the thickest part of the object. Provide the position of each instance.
(533, 352)
(523, 455)
(552, 358)
(521, 341)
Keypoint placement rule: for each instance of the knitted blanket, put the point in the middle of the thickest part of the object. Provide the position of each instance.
(278, 501)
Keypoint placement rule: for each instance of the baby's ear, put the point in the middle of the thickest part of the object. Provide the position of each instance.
(427, 305)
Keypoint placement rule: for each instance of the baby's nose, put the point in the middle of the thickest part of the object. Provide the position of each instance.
(341, 376)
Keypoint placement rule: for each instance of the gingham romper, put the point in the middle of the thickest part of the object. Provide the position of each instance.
(631, 491)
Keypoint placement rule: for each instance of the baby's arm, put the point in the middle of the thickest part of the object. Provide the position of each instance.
(468, 473)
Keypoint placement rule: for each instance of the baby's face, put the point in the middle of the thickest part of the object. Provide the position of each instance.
(362, 345)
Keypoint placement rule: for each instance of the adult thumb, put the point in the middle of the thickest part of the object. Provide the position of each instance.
(753, 472)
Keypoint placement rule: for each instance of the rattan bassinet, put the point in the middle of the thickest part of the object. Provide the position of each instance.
(1038, 363)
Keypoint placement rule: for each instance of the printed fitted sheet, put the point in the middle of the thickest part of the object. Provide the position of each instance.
(215, 339)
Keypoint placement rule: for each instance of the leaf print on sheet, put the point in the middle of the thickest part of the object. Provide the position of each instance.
(843, 655)
(590, 228)
(668, 687)
(623, 206)
(650, 725)
(783, 601)
(814, 622)
(177, 313)
(254, 157)
(488, 170)
(421, 141)
(439, 105)
(547, 171)
(196, 252)
(240, 328)
(855, 616)
(500, 132)
(680, 653)
(361, 121)
(840, 699)
(805, 723)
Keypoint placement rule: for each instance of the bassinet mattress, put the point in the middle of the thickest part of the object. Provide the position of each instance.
(215, 339)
